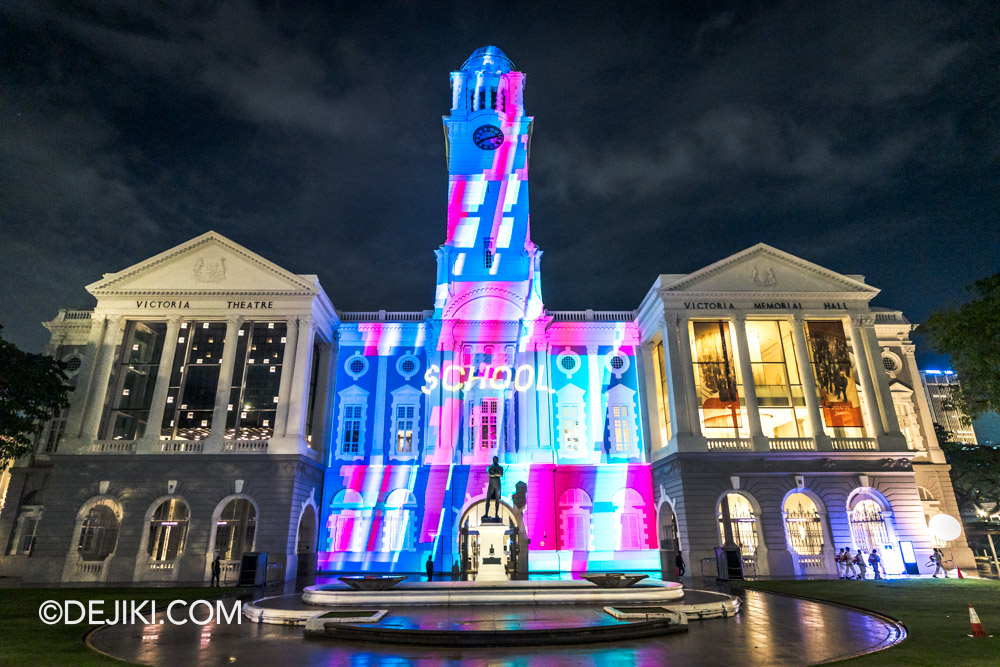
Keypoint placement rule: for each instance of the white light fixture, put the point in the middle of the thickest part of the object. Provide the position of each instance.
(945, 527)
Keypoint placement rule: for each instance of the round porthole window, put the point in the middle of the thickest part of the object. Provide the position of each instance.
(890, 362)
(568, 362)
(73, 365)
(617, 363)
(356, 366)
(407, 365)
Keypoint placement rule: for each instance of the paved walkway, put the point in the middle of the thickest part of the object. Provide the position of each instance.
(771, 629)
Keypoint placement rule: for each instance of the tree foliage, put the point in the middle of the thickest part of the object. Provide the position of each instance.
(32, 389)
(970, 334)
(975, 475)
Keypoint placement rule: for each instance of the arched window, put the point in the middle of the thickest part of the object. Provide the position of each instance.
(575, 510)
(98, 533)
(236, 528)
(742, 522)
(345, 521)
(803, 525)
(398, 521)
(868, 526)
(168, 530)
(631, 520)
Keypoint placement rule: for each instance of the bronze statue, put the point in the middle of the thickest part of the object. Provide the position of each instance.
(493, 491)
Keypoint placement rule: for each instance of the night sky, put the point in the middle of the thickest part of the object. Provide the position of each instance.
(860, 137)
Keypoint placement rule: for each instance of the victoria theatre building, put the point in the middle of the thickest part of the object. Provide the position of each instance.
(223, 405)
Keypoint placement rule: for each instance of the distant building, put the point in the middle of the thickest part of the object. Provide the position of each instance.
(938, 386)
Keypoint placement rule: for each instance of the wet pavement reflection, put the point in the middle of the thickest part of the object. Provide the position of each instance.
(771, 629)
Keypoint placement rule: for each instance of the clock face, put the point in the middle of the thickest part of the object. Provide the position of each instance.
(488, 137)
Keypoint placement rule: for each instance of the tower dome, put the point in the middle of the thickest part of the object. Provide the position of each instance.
(488, 59)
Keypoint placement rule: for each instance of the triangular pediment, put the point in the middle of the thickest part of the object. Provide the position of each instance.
(762, 269)
(207, 264)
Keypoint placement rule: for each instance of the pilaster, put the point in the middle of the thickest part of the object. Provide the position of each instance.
(85, 381)
(300, 378)
(102, 374)
(158, 405)
(287, 366)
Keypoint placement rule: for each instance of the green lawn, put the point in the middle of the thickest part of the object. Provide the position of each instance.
(25, 640)
(934, 611)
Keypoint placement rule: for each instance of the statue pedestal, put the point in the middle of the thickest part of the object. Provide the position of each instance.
(491, 565)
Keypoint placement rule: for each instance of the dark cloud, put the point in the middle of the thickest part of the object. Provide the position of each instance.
(861, 136)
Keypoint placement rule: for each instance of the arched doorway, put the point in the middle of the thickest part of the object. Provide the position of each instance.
(670, 544)
(305, 547)
(489, 551)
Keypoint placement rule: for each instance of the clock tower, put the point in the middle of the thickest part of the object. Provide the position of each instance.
(488, 268)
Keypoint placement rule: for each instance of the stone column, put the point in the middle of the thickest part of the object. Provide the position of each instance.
(760, 442)
(652, 417)
(864, 374)
(881, 380)
(682, 374)
(223, 389)
(594, 398)
(158, 405)
(81, 396)
(300, 379)
(808, 380)
(921, 405)
(287, 366)
(102, 374)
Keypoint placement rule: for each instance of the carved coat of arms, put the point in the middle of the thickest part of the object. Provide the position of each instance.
(211, 271)
(763, 278)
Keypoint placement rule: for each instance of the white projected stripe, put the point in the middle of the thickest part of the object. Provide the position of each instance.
(503, 236)
(465, 232)
(513, 187)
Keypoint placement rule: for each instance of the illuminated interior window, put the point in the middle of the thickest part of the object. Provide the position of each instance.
(776, 378)
(717, 383)
(742, 522)
(803, 525)
(130, 388)
(235, 529)
(836, 384)
(404, 428)
(868, 526)
(621, 428)
(168, 531)
(662, 394)
(193, 383)
(254, 385)
(351, 431)
(569, 423)
(487, 418)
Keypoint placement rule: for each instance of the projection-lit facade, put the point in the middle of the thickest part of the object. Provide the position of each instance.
(222, 404)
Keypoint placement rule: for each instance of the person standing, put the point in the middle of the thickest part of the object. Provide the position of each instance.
(841, 568)
(216, 570)
(859, 560)
(679, 563)
(875, 561)
(848, 565)
(455, 571)
(429, 566)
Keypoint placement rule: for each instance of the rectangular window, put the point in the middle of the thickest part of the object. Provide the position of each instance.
(488, 423)
(569, 416)
(630, 531)
(577, 532)
(487, 252)
(56, 430)
(194, 381)
(253, 391)
(835, 379)
(621, 428)
(130, 390)
(716, 378)
(312, 430)
(352, 428)
(404, 429)
(663, 396)
(776, 378)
